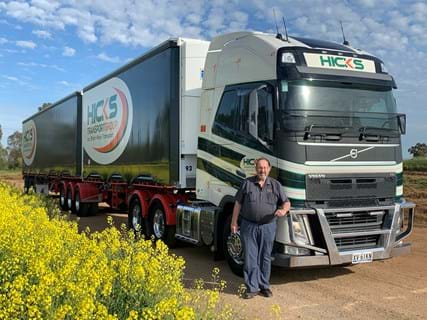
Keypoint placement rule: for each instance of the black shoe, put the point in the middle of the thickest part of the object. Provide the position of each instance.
(249, 295)
(266, 293)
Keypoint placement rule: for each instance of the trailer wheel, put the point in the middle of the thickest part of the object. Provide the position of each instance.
(62, 200)
(159, 228)
(82, 209)
(233, 249)
(135, 220)
(70, 203)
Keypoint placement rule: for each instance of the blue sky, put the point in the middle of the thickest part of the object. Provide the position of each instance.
(49, 48)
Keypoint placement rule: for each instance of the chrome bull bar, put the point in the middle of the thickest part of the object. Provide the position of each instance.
(392, 237)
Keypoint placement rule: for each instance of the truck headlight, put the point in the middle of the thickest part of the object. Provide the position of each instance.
(299, 229)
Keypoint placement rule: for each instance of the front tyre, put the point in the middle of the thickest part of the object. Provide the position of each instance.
(233, 249)
(159, 228)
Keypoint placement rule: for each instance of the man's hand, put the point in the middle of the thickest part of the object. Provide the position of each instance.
(281, 212)
(234, 227)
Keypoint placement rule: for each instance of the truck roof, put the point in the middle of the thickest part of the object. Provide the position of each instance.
(220, 41)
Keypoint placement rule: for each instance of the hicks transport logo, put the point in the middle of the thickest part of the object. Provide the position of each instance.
(29, 142)
(339, 62)
(107, 120)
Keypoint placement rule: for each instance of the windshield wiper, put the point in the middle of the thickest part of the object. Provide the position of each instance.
(332, 136)
(364, 135)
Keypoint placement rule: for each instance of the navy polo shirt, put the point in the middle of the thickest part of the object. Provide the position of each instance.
(260, 204)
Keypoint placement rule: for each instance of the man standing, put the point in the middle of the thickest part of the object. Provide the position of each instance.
(259, 201)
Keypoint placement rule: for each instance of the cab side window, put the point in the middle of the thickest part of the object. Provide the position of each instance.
(245, 115)
(227, 117)
(265, 114)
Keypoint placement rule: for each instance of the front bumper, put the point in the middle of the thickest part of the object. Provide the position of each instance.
(392, 241)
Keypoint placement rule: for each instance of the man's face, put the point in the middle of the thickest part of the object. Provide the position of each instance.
(262, 169)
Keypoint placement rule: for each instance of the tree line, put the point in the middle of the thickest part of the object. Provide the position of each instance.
(10, 155)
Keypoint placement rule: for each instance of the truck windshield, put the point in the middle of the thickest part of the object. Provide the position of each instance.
(343, 107)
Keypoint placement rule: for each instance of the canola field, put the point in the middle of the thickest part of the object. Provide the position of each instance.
(48, 270)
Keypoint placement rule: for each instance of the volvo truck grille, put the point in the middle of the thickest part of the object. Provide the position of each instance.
(358, 228)
(352, 243)
(355, 221)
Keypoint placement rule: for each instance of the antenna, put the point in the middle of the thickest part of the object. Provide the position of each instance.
(278, 35)
(345, 42)
(286, 29)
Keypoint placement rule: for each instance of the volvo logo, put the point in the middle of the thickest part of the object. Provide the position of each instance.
(353, 153)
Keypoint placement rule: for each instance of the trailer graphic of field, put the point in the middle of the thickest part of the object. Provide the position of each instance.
(170, 136)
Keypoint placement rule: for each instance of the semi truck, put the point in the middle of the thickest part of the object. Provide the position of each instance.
(170, 136)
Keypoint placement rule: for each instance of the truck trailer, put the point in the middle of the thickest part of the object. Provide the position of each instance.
(170, 136)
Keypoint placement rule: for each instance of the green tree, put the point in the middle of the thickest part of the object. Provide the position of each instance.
(419, 150)
(14, 142)
(44, 106)
(3, 152)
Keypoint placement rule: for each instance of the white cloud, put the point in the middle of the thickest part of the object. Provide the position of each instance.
(68, 52)
(15, 80)
(3, 41)
(11, 78)
(40, 65)
(26, 44)
(64, 83)
(42, 34)
(104, 57)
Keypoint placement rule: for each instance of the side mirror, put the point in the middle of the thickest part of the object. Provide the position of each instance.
(401, 120)
(253, 114)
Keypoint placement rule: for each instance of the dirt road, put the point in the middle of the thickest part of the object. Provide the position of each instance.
(391, 289)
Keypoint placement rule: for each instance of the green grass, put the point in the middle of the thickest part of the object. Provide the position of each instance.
(415, 164)
(10, 173)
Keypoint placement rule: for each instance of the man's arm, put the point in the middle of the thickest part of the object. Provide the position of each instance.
(283, 209)
(235, 217)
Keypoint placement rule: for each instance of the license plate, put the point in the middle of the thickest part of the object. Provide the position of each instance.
(362, 257)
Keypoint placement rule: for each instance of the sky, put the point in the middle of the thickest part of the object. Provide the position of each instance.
(50, 48)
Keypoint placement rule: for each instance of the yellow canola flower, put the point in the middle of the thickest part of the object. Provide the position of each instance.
(48, 270)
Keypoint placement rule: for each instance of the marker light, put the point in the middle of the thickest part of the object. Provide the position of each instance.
(288, 57)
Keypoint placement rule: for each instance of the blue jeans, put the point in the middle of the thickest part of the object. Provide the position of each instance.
(258, 242)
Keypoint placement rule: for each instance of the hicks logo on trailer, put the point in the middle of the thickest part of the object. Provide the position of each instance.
(29, 142)
(107, 120)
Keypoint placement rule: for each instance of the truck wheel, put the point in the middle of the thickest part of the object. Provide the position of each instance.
(82, 209)
(159, 228)
(233, 249)
(62, 200)
(135, 220)
(70, 203)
